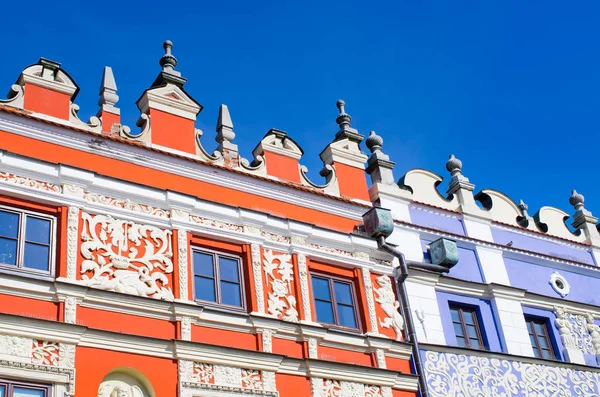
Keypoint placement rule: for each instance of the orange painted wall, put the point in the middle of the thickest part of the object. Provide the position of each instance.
(94, 364)
(162, 180)
(397, 364)
(125, 323)
(352, 181)
(221, 337)
(282, 167)
(173, 131)
(399, 393)
(108, 119)
(45, 101)
(345, 356)
(27, 307)
(288, 348)
(292, 386)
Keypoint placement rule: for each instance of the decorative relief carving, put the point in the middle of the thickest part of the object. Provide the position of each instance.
(125, 204)
(387, 300)
(361, 255)
(214, 223)
(252, 379)
(72, 233)
(44, 352)
(380, 357)
(336, 388)
(185, 369)
(580, 334)
(366, 275)
(279, 276)
(577, 331)
(373, 391)
(353, 389)
(224, 375)
(275, 237)
(317, 388)
(186, 328)
(251, 230)
(28, 182)
(267, 340)
(182, 262)
(303, 274)
(70, 310)
(559, 284)
(203, 373)
(594, 331)
(386, 391)
(15, 346)
(269, 380)
(119, 384)
(66, 355)
(258, 280)
(69, 372)
(313, 347)
(111, 251)
(451, 374)
(564, 328)
(332, 388)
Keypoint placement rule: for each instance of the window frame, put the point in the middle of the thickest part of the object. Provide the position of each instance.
(331, 279)
(21, 241)
(11, 384)
(217, 279)
(461, 308)
(529, 319)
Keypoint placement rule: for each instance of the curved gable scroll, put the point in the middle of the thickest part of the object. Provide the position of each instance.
(423, 186)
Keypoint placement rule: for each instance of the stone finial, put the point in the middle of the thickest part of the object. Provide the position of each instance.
(108, 90)
(576, 200)
(225, 132)
(346, 131)
(454, 165)
(523, 207)
(374, 142)
(523, 220)
(168, 61)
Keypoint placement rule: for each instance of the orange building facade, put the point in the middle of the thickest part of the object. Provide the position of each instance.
(137, 263)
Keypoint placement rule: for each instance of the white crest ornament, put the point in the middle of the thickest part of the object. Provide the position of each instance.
(559, 284)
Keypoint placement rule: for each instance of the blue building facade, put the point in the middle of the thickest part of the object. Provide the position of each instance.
(518, 315)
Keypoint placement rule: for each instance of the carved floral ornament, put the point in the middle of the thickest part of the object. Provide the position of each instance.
(336, 388)
(278, 270)
(386, 298)
(126, 257)
(225, 377)
(578, 331)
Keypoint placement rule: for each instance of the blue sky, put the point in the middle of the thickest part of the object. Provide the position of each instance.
(510, 87)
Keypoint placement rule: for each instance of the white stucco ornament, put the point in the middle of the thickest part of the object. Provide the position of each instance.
(559, 284)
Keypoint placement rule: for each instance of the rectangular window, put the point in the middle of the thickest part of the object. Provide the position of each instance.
(17, 389)
(218, 278)
(335, 302)
(540, 338)
(26, 240)
(466, 327)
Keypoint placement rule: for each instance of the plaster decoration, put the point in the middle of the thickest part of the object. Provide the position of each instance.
(594, 331)
(420, 313)
(298, 240)
(380, 358)
(15, 97)
(331, 185)
(386, 391)
(185, 369)
(72, 232)
(28, 182)
(70, 310)
(226, 375)
(15, 346)
(352, 389)
(304, 291)
(275, 237)
(373, 391)
(279, 277)
(421, 186)
(186, 328)
(119, 384)
(564, 326)
(73, 190)
(44, 352)
(267, 340)
(179, 214)
(313, 347)
(182, 263)
(66, 355)
(551, 221)
(451, 374)
(94, 124)
(361, 255)
(258, 279)
(269, 382)
(387, 300)
(332, 388)
(111, 251)
(252, 379)
(559, 284)
(203, 373)
(125, 204)
(217, 224)
(580, 334)
(317, 388)
(366, 274)
(330, 250)
(216, 157)
(46, 370)
(251, 230)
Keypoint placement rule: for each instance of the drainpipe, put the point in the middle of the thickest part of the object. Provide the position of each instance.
(400, 277)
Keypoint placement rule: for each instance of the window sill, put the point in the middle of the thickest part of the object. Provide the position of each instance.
(20, 272)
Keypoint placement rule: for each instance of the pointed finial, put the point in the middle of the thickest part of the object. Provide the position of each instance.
(454, 165)
(225, 132)
(576, 200)
(108, 89)
(374, 142)
(343, 119)
(523, 207)
(168, 61)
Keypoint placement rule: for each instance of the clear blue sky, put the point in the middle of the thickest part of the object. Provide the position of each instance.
(510, 87)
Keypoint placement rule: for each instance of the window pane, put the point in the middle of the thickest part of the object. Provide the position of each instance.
(343, 293)
(36, 256)
(474, 343)
(321, 288)
(539, 328)
(458, 330)
(346, 316)
(536, 352)
(37, 230)
(461, 342)
(547, 354)
(9, 224)
(529, 326)
(229, 269)
(543, 342)
(532, 339)
(22, 392)
(324, 312)
(455, 316)
(1, 391)
(205, 289)
(8, 251)
(231, 294)
(468, 315)
(472, 331)
(203, 264)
